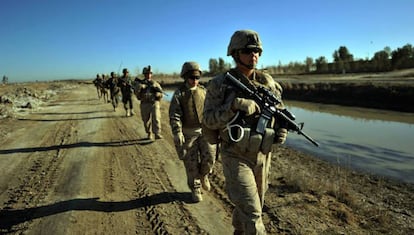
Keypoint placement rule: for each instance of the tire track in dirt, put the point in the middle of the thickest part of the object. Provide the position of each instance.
(41, 165)
(159, 190)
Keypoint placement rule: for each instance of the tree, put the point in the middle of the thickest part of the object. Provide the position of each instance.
(321, 64)
(388, 50)
(213, 66)
(402, 57)
(342, 58)
(217, 66)
(309, 64)
(221, 65)
(381, 62)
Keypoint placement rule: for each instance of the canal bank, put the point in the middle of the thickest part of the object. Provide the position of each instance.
(387, 91)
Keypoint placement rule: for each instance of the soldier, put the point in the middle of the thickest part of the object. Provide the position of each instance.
(125, 84)
(97, 82)
(150, 93)
(186, 113)
(246, 155)
(112, 85)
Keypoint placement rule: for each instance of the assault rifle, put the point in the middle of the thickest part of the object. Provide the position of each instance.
(267, 102)
(149, 85)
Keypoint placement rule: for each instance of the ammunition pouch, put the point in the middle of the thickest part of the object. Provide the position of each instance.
(247, 140)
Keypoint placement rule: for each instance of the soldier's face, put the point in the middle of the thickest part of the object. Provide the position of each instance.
(193, 81)
(249, 57)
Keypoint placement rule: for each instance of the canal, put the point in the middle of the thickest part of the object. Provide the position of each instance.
(373, 141)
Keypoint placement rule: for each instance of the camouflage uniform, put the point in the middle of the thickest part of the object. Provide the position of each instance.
(98, 82)
(125, 83)
(186, 113)
(112, 84)
(246, 163)
(150, 93)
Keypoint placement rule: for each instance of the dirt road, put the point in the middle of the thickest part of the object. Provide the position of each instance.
(77, 167)
(74, 166)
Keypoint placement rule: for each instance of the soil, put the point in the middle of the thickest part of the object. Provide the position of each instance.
(69, 164)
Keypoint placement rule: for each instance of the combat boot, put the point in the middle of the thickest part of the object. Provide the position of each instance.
(150, 136)
(196, 191)
(132, 112)
(205, 183)
(128, 113)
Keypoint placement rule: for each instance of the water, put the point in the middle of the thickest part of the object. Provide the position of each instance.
(373, 141)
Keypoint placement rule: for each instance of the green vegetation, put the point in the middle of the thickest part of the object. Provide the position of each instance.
(343, 62)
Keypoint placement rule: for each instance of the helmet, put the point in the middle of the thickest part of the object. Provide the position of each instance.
(244, 39)
(190, 66)
(112, 74)
(125, 70)
(147, 70)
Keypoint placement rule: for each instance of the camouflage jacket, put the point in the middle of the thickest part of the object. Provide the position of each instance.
(125, 84)
(148, 91)
(217, 108)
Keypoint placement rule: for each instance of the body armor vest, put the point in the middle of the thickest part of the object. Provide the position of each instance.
(192, 104)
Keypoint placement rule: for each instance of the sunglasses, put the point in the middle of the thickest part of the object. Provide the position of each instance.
(194, 77)
(250, 50)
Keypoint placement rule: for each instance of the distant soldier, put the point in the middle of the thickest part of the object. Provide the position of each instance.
(186, 114)
(125, 84)
(150, 93)
(98, 82)
(112, 85)
(5, 79)
(104, 89)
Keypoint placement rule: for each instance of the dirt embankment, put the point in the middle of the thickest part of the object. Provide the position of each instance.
(71, 165)
(390, 91)
(397, 97)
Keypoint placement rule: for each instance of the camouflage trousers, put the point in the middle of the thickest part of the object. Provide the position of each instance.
(114, 98)
(246, 185)
(199, 158)
(151, 116)
(127, 100)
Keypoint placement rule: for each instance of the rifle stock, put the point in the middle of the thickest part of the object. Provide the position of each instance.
(267, 102)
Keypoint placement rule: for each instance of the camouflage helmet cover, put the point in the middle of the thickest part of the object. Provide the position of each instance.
(147, 70)
(190, 66)
(125, 70)
(244, 39)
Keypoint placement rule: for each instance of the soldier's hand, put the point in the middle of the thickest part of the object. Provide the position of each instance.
(179, 145)
(158, 95)
(142, 86)
(281, 135)
(247, 105)
(179, 139)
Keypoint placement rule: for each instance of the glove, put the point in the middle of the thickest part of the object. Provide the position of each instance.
(158, 95)
(179, 141)
(247, 105)
(281, 135)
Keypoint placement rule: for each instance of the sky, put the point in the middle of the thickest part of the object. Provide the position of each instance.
(76, 39)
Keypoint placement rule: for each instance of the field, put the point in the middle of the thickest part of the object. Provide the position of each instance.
(71, 165)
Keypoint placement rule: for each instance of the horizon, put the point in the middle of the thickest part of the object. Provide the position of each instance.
(48, 40)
